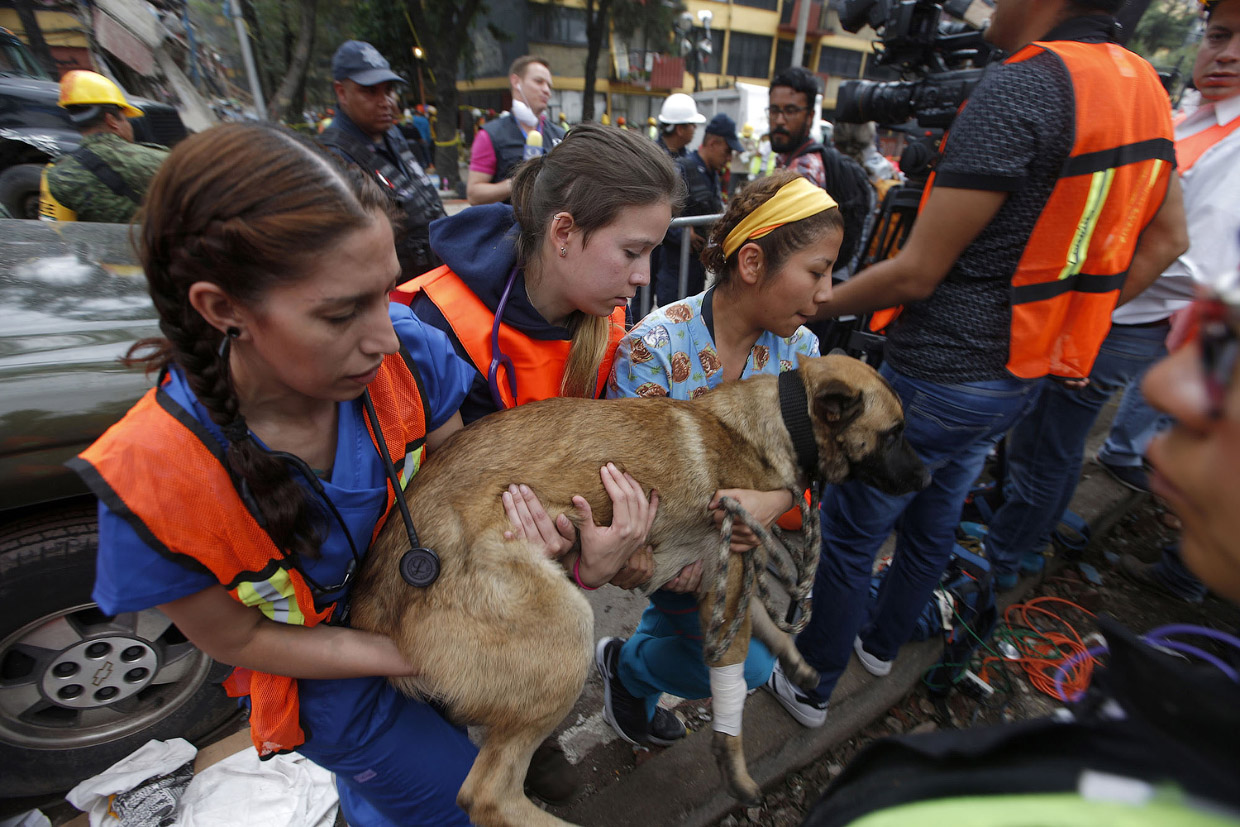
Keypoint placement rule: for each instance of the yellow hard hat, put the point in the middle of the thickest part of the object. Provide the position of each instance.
(650, 121)
(606, 121)
(747, 130)
(82, 88)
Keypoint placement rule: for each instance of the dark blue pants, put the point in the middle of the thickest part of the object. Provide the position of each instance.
(952, 428)
(1046, 449)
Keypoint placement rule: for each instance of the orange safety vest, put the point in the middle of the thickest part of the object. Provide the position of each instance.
(539, 364)
(188, 507)
(1189, 150)
(1113, 183)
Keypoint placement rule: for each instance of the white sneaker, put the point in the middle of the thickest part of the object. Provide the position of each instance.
(805, 710)
(875, 666)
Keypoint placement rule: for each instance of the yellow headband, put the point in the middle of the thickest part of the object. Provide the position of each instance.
(795, 200)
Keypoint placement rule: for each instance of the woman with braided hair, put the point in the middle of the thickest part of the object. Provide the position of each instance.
(239, 495)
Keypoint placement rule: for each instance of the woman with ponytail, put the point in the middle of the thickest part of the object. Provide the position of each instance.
(239, 495)
(534, 296)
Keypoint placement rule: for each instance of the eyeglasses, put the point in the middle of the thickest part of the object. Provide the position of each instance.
(787, 112)
(1220, 349)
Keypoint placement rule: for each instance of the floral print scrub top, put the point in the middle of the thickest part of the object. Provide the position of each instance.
(672, 353)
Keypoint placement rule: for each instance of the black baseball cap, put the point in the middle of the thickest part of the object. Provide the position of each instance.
(361, 63)
(725, 127)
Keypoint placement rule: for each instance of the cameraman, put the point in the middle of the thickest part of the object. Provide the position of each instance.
(1054, 199)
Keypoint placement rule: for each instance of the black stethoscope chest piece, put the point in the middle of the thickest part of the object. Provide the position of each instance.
(419, 567)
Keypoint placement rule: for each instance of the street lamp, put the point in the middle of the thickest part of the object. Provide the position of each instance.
(695, 42)
(419, 54)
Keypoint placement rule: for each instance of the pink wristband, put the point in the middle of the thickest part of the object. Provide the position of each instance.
(577, 576)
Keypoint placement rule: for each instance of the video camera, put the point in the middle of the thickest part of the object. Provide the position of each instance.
(946, 58)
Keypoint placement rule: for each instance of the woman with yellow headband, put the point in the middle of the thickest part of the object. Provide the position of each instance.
(771, 257)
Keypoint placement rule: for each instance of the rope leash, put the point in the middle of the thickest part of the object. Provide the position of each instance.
(782, 549)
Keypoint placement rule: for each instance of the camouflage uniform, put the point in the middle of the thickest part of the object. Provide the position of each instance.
(71, 192)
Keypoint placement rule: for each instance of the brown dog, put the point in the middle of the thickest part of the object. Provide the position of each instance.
(503, 639)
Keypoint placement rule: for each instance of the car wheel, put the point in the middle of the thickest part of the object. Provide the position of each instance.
(80, 690)
(19, 190)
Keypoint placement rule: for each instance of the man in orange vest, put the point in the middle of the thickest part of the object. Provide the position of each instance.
(1046, 450)
(1054, 198)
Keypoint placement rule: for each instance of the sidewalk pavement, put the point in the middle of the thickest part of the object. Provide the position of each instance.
(681, 785)
(451, 203)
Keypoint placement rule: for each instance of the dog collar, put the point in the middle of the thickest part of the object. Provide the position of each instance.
(794, 408)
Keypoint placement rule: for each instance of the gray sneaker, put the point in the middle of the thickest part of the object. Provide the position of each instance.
(877, 667)
(807, 711)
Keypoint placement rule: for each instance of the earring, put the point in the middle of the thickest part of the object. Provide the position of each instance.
(226, 342)
(563, 252)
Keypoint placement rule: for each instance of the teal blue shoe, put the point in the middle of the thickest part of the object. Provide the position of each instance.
(1032, 562)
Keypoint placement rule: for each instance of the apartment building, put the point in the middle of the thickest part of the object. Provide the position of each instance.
(750, 40)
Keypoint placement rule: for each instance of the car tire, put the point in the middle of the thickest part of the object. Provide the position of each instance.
(19, 190)
(80, 690)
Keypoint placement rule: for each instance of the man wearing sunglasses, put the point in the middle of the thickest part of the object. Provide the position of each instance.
(1046, 450)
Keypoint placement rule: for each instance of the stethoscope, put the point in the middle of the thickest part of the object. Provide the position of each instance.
(419, 566)
(498, 357)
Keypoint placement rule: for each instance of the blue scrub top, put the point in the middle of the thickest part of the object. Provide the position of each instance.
(131, 576)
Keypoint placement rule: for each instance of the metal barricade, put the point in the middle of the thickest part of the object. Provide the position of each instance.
(682, 284)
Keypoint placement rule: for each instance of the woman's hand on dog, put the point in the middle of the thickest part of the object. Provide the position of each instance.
(616, 553)
(605, 549)
(638, 569)
(530, 521)
(765, 506)
(688, 580)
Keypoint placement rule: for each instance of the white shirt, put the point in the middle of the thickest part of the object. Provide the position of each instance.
(1212, 210)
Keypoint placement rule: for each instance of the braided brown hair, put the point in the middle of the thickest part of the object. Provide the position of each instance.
(245, 207)
(779, 243)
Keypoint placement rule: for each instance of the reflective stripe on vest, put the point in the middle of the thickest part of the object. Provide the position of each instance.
(188, 510)
(1113, 183)
(539, 363)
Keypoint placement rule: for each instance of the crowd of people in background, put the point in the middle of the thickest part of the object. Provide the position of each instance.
(1055, 259)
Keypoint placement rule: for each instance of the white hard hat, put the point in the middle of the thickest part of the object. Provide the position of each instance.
(680, 108)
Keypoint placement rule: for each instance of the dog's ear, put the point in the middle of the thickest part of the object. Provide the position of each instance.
(837, 403)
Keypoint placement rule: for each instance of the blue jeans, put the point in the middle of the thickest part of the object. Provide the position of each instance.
(665, 653)
(952, 428)
(1046, 449)
(1135, 424)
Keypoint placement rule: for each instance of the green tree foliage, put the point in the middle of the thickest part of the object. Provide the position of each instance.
(279, 22)
(632, 20)
(1168, 33)
(443, 32)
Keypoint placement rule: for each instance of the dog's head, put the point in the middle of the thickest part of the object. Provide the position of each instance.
(859, 426)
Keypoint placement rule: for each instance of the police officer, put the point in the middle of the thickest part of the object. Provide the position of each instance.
(364, 132)
(106, 177)
(700, 170)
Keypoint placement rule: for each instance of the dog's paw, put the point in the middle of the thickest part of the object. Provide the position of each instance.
(802, 674)
(731, 760)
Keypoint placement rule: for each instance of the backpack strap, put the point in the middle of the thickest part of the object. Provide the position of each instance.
(100, 169)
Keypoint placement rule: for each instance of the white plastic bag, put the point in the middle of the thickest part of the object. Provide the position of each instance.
(151, 760)
(240, 791)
